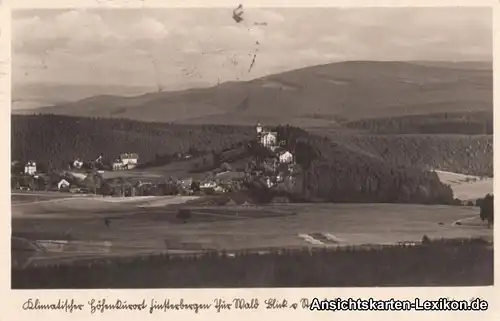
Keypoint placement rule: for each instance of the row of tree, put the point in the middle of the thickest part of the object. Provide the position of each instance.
(465, 123)
(472, 155)
(436, 263)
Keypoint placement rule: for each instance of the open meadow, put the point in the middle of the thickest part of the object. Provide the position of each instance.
(467, 187)
(87, 226)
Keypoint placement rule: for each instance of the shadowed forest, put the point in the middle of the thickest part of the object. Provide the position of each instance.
(433, 263)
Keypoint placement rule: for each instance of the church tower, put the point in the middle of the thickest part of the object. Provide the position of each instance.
(258, 128)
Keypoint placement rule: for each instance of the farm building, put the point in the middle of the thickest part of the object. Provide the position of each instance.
(63, 184)
(30, 168)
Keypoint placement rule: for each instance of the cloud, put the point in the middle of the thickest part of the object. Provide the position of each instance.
(75, 29)
(122, 44)
(148, 28)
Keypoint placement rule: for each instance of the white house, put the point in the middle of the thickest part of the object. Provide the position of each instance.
(286, 157)
(209, 184)
(126, 161)
(77, 163)
(269, 182)
(129, 160)
(30, 168)
(219, 189)
(118, 165)
(269, 139)
(63, 184)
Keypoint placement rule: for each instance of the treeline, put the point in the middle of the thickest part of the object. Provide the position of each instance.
(333, 172)
(55, 140)
(472, 155)
(465, 123)
(433, 263)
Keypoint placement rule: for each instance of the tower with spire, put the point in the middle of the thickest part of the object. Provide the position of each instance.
(258, 128)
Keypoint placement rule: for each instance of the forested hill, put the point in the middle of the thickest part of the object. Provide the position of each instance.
(465, 123)
(334, 172)
(459, 142)
(349, 167)
(59, 139)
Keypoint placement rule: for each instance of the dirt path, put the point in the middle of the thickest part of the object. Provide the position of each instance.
(464, 219)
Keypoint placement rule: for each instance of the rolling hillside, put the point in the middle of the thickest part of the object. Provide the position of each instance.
(312, 96)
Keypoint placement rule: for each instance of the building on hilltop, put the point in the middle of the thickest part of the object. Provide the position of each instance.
(266, 138)
(269, 139)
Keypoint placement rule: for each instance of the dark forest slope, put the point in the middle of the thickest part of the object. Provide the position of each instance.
(334, 172)
(59, 139)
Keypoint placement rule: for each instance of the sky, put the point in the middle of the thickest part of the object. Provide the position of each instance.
(172, 49)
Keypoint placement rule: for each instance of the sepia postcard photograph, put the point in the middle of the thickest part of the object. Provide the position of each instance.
(251, 147)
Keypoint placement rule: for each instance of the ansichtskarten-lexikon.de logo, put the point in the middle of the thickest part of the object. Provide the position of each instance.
(371, 304)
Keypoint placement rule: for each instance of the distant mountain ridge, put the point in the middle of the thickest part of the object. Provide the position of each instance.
(318, 94)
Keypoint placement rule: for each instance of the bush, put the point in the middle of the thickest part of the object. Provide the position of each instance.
(184, 214)
(486, 209)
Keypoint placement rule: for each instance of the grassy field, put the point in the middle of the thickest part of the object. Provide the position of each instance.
(467, 187)
(135, 227)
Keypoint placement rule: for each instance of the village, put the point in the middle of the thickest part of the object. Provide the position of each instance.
(266, 164)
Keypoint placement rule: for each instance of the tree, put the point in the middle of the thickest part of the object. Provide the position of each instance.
(486, 209)
(41, 183)
(225, 167)
(184, 214)
(195, 186)
(41, 167)
(17, 168)
(105, 188)
(305, 154)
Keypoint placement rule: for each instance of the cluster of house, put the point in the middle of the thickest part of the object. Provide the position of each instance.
(79, 164)
(125, 161)
(269, 139)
